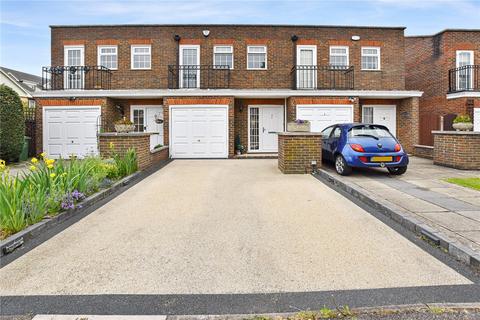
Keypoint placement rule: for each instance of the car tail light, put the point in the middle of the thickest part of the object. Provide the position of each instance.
(398, 158)
(357, 147)
(363, 159)
(397, 148)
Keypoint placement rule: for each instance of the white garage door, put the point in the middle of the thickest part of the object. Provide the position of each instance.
(70, 131)
(322, 116)
(199, 131)
(476, 119)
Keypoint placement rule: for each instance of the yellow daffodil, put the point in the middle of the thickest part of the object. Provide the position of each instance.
(49, 161)
(111, 145)
(52, 175)
(34, 160)
(2, 165)
(33, 168)
(49, 166)
(42, 155)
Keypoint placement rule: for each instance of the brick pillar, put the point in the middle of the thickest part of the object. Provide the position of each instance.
(408, 123)
(297, 150)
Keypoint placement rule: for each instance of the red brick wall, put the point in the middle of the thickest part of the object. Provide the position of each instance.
(428, 59)
(296, 152)
(457, 150)
(119, 144)
(423, 151)
(280, 54)
(167, 102)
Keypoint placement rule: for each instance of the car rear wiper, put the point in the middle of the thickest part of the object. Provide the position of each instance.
(367, 135)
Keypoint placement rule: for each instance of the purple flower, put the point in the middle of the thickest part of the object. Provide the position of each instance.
(77, 195)
(67, 204)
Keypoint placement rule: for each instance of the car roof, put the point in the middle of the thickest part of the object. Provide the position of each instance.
(354, 124)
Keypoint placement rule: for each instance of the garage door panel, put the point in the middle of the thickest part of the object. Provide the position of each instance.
(71, 131)
(204, 132)
(321, 117)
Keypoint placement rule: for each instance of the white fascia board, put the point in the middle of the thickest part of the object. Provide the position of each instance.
(464, 94)
(237, 93)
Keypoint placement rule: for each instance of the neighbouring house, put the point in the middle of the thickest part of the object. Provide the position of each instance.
(446, 67)
(24, 84)
(205, 90)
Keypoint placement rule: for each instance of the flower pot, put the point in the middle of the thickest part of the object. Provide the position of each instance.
(298, 127)
(123, 128)
(463, 126)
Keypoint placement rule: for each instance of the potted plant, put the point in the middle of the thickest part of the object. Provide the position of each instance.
(463, 123)
(238, 146)
(299, 126)
(124, 125)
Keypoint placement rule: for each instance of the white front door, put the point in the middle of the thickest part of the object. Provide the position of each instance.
(384, 115)
(149, 119)
(322, 116)
(264, 124)
(306, 73)
(70, 131)
(476, 119)
(199, 131)
(189, 66)
(74, 77)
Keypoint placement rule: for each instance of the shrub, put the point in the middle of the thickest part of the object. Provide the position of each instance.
(12, 124)
(126, 164)
(462, 119)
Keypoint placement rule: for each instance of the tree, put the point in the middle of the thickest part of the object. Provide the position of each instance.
(12, 124)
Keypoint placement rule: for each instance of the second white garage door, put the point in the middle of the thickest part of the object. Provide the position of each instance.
(322, 116)
(199, 131)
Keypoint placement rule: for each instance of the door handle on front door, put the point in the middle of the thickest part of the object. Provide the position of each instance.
(263, 129)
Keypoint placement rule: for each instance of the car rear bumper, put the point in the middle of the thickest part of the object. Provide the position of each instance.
(354, 160)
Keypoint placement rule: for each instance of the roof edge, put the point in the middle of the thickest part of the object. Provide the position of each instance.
(443, 31)
(226, 25)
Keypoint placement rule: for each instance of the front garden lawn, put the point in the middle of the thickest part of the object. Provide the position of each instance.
(50, 187)
(472, 183)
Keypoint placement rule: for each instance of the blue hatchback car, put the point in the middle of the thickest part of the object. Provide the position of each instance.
(362, 145)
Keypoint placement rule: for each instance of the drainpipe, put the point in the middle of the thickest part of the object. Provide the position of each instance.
(285, 114)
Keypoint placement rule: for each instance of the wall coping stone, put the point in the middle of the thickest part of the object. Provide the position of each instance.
(158, 149)
(299, 133)
(126, 134)
(423, 146)
(458, 133)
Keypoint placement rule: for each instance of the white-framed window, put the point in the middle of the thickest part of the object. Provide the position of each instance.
(339, 56)
(223, 56)
(257, 57)
(464, 58)
(31, 103)
(370, 58)
(108, 57)
(141, 57)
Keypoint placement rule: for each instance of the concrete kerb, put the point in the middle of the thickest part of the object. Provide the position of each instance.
(23, 238)
(402, 217)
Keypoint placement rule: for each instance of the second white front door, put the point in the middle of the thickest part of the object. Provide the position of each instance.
(264, 124)
(149, 119)
(384, 115)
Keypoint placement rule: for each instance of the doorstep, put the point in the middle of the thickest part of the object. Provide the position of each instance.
(270, 155)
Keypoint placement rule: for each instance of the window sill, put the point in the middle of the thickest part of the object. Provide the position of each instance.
(371, 70)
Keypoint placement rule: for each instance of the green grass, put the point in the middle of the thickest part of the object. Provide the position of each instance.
(472, 183)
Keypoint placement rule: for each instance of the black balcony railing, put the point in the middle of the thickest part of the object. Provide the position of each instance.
(199, 76)
(76, 77)
(323, 77)
(466, 78)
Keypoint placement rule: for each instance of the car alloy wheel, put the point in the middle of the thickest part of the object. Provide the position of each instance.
(341, 166)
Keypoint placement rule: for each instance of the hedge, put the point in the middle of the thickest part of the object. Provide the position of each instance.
(12, 124)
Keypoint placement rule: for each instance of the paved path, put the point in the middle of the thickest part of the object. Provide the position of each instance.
(452, 209)
(226, 226)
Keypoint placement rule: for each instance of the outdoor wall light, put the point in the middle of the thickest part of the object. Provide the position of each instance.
(294, 38)
(355, 38)
(206, 33)
(177, 37)
(351, 99)
(72, 98)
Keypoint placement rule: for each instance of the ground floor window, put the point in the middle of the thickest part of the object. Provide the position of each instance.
(254, 129)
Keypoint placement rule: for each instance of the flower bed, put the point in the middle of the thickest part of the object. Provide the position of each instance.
(54, 186)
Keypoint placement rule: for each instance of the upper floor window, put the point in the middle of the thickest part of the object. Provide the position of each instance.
(339, 56)
(370, 58)
(141, 57)
(223, 56)
(257, 57)
(107, 57)
(464, 58)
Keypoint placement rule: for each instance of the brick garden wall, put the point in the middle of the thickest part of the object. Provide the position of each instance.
(423, 151)
(296, 151)
(120, 143)
(459, 150)
(280, 55)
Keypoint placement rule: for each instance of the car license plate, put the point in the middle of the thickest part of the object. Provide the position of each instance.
(381, 159)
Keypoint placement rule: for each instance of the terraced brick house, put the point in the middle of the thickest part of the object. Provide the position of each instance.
(204, 90)
(446, 67)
